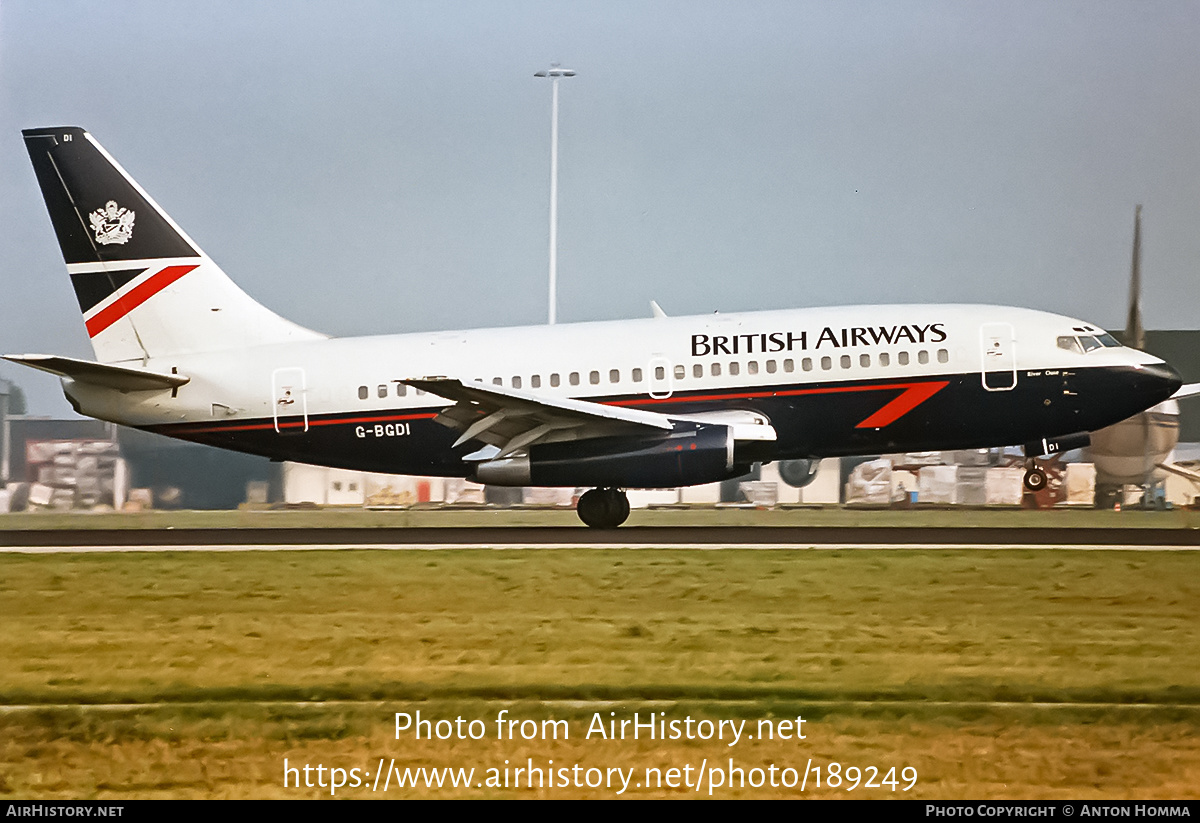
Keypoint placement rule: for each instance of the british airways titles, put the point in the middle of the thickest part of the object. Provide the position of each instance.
(770, 342)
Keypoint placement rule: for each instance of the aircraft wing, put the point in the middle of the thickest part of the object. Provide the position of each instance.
(1175, 468)
(511, 419)
(1186, 390)
(121, 378)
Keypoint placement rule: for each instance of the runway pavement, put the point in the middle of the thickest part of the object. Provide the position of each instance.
(578, 537)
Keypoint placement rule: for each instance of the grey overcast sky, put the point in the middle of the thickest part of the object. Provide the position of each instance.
(372, 167)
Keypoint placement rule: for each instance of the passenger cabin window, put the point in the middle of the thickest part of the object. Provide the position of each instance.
(885, 359)
(922, 357)
(680, 372)
(734, 368)
(535, 382)
(943, 356)
(363, 392)
(594, 378)
(660, 373)
(902, 358)
(806, 364)
(401, 389)
(716, 369)
(516, 382)
(864, 360)
(637, 375)
(574, 378)
(752, 367)
(496, 381)
(789, 365)
(554, 381)
(770, 367)
(382, 390)
(614, 376)
(697, 370)
(845, 358)
(827, 363)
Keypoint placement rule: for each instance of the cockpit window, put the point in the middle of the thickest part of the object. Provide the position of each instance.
(1085, 343)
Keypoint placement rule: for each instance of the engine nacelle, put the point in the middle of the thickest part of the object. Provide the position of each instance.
(1129, 451)
(690, 455)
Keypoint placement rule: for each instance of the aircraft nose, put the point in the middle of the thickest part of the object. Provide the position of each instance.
(1158, 380)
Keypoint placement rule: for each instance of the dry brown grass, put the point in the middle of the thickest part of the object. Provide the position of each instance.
(715, 634)
(1000, 756)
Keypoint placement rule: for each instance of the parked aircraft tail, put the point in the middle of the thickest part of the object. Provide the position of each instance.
(145, 288)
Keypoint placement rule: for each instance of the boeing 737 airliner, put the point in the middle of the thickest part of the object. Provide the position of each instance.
(661, 402)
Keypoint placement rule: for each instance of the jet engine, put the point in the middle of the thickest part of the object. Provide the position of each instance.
(698, 453)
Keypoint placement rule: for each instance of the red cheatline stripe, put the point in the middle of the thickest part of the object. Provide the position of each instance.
(288, 423)
(911, 395)
(135, 297)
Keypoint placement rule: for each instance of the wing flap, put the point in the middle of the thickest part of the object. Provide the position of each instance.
(511, 419)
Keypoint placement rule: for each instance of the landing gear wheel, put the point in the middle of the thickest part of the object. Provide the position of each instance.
(1035, 479)
(603, 508)
(622, 506)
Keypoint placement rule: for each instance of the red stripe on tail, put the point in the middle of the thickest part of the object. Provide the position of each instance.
(135, 297)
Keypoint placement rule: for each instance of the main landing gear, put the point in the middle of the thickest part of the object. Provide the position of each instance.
(603, 508)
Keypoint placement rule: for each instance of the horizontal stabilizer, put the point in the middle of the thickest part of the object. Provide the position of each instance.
(121, 378)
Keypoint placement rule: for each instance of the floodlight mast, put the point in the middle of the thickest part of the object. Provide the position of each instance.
(554, 73)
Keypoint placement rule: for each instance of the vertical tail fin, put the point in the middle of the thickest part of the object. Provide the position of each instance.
(145, 288)
(1135, 333)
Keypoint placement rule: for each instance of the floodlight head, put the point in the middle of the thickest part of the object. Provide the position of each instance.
(555, 71)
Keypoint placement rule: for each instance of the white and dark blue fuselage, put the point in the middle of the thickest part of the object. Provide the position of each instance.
(835, 381)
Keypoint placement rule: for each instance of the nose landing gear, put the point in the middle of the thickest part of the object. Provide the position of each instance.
(603, 508)
(1035, 477)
